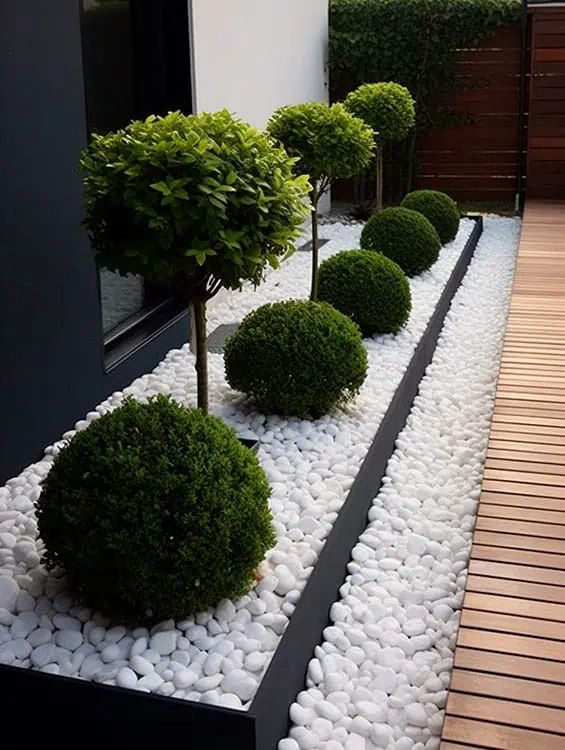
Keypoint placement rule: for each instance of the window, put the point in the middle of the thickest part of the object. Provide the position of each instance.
(136, 60)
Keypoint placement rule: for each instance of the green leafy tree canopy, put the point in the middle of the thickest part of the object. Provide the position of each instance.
(198, 202)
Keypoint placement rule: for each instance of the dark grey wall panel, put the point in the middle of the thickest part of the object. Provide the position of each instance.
(51, 351)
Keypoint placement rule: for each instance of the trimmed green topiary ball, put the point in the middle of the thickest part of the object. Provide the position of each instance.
(155, 511)
(404, 236)
(369, 288)
(441, 210)
(387, 107)
(296, 358)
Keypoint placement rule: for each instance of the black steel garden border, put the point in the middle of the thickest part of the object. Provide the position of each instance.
(106, 714)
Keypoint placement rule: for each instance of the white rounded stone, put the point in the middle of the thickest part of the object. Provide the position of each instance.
(9, 591)
(126, 678)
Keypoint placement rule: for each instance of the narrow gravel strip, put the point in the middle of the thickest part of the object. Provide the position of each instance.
(380, 677)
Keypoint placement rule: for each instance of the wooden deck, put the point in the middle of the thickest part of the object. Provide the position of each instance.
(508, 685)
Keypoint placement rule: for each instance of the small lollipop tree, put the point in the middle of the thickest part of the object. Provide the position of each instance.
(195, 202)
(329, 143)
(387, 108)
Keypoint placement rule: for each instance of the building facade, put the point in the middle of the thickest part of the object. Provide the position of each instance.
(70, 332)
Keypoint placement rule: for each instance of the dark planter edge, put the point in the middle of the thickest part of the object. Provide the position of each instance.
(147, 719)
(285, 676)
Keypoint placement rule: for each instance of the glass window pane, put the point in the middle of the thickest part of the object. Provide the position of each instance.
(136, 62)
(121, 297)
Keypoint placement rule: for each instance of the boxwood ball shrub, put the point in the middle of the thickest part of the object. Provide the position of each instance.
(155, 511)
(297, 358)
(369, 288)
(404, 236)
(441, 210)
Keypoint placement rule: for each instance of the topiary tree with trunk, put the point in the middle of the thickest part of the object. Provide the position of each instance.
(329, 143)
(195, 202)
(388, 109)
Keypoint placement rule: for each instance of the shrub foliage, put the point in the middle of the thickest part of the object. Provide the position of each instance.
(155, 511)
(369, 288)
(441, 210)
(404, 236)
(412, 42)
(196, 202)
(387, 108)
(415, 43)
(296, 358)
(329, 143)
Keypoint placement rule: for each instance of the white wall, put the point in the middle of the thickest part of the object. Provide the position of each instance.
(252, 56)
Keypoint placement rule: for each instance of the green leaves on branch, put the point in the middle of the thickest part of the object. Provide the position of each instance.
(412, 42)
(327, 142)
(197, 201)
(387, 108)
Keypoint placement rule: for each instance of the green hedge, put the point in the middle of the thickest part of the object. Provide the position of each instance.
(411, 42)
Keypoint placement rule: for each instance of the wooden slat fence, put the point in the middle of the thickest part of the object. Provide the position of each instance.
(546, 152)
(478, 159)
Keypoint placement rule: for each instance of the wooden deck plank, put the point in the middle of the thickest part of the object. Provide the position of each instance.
(524, 514)
(523, 488)
(510, 643)
(517, 541)
(512, 474)
(515, 453)
(509, 664)
(522, 501)
(529, 440)
(486, 601)
(509, 688)
(525, 528)
(539, 592)
(490, 735)
(506, 712)
(517, 556)
(498, 622)
(517, 572)
(508, 685)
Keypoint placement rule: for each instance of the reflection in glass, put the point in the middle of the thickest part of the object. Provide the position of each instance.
(121, 297)
(136, 62)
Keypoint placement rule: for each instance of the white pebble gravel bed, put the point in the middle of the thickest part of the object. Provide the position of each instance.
(217, 656)
(379, 679)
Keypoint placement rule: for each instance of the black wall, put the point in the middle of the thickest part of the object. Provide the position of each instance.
(51, 349)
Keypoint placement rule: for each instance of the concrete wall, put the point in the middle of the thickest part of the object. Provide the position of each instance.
(252, 56)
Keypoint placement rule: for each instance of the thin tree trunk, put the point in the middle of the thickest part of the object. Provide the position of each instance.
(314, 286)
(410, 164)
(379, 178)
(199, 307)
